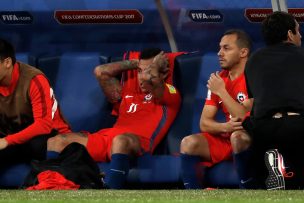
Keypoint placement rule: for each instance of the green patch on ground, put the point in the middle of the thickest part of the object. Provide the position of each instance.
(151, 196)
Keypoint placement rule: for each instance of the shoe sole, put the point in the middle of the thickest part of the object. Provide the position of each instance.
(275, 179)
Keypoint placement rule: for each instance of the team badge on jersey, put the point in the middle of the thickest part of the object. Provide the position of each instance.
(148, 97)
(172, 89)
(241, 97)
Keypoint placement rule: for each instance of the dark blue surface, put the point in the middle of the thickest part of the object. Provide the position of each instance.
(46, 35)
(81, 100)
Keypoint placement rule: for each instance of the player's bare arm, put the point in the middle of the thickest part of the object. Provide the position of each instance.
(210, 125)
(106, 76)
(155, 74)
(217, 86)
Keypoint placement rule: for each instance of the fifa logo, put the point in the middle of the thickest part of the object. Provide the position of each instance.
(16, 17)
(9, 17)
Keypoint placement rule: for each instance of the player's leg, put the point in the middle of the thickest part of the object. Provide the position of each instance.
(210, 149)
(242, 153)
(123, 146)
(126, 143)
(194, 149)
(56, 144)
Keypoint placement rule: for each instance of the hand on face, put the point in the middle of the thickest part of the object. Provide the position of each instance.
(152, 71)
(162, 63)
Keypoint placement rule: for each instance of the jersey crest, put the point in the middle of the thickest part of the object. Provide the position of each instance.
(148, 97)
(241, 97)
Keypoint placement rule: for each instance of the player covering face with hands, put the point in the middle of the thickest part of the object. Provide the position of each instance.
(145, 105)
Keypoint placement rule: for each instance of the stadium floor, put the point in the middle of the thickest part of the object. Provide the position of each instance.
(159, 196)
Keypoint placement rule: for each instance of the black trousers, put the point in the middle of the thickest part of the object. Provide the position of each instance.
(285, 134)
(23, 153)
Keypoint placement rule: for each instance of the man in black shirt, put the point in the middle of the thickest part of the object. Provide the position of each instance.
(274, 77)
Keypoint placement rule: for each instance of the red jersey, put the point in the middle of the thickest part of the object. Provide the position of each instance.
(145, 116)
(237, 90)
(46, 114)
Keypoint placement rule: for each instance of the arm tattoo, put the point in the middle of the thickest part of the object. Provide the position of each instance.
(107, 78)
(129, 64)
(112, 89)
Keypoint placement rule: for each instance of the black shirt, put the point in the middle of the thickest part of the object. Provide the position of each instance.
(275, 79)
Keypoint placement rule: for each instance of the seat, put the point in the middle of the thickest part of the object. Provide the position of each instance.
(27, 58)
(81, 100)
(186, 75)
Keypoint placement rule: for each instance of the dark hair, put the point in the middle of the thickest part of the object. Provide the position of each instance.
(149, 53)
(276, 26)
(243, 39)
(7, 50)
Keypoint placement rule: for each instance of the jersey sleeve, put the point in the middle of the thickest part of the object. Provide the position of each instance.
(212, 99)
(41, 101)
(171, 96)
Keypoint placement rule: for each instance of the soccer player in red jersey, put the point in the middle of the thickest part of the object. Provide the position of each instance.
(29, 112)
(226, 91)
(146, 106)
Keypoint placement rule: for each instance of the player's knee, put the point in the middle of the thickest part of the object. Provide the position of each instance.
(56, 143)
(240, 141)
(189, 145)
(134, 143)
(125, 144)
